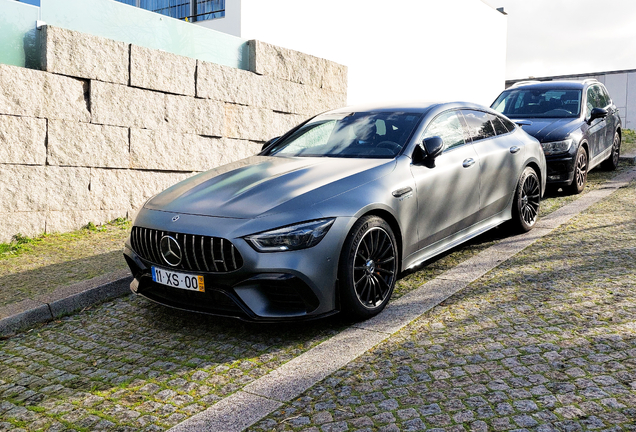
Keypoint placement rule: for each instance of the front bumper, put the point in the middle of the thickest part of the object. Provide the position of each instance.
(291, 285)
(561, 168)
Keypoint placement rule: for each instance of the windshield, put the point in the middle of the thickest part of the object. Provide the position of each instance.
(350, 135)
(553, 103)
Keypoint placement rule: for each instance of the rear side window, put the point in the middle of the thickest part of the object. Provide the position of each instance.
(479, 124)
(507, 123)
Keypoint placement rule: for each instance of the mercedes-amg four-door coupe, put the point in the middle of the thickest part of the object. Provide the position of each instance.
(326, 217)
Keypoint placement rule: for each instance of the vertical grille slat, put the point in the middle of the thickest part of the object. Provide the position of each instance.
(205, 261)
(199, 253)
(223, 256)
(194, 252)
(216, 268)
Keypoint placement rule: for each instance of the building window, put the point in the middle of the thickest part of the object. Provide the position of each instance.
(192, 10)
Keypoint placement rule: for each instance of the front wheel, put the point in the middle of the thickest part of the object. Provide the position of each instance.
(580, 172)
(525, 207)
(368, 267)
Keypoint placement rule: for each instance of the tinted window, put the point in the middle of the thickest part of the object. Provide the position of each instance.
(498, 125)
(448, 127)
(594, 99)
(530, 103)
(360, 134)
(507, 123)
(605, 98)
(479, 124)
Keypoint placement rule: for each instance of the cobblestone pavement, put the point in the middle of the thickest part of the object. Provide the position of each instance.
(132, 365)
(546, 341)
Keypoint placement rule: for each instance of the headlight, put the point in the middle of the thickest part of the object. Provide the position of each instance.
(555, 147)
(293, 237)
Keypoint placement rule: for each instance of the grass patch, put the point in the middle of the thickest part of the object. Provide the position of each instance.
(31, 266)
(629, 141)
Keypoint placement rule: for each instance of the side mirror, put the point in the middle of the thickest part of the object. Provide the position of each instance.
(433, 146)
(270, 142)
(523, 122)
(597, 113)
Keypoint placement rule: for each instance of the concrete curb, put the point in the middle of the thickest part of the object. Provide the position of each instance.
(63, 301)
(628, 158)
(261, 397)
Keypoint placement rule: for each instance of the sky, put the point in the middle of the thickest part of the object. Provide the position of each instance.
(559, 37)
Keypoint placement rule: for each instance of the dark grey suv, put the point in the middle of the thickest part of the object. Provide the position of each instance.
(576, 122)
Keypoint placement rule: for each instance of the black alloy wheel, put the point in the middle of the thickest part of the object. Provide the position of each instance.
(368, 267)
(611, 163)
(527, 199)
(580, 171)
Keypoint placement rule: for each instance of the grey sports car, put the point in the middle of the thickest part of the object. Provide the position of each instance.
(327, 216)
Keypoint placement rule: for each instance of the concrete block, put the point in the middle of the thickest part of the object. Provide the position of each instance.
(70, 220)
(162, 71)
(233, 414)
(88, 145)
(22, 140)
(196, 116)
(26, 223)
(170, 151)
(75, 297)
(27, 313)
(118, 105)
(298, 67)
(302, 372)
(228, 84)
(282, 123)
(67, 188)
(234, 149)
(82, 55)
(248, 123)
(147, 183)
(22, 189)
(33, 93)
(111, 189)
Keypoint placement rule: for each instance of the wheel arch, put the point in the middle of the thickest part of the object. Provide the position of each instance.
(537, 169)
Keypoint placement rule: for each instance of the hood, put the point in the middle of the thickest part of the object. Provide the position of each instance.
(261, 184)
(550, 129)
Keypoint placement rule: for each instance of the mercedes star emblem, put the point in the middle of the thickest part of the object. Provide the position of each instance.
(170, 251)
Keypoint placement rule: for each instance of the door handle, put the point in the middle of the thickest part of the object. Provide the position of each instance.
(514, 149)
(468, 162)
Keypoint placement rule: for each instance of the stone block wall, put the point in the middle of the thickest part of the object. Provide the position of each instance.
(105, 124)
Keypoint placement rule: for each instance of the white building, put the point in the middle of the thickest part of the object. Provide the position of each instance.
(397, 50)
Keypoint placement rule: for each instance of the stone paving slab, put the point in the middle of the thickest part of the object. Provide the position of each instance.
(63, 301)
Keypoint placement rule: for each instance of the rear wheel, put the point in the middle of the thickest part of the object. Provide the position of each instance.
(368, 267)
(611, 163)
(580, 172)
(525, 207)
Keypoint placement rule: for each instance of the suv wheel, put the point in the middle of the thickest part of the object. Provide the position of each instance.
(580, 172)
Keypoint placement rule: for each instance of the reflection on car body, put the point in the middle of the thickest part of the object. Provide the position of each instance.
(327, 216)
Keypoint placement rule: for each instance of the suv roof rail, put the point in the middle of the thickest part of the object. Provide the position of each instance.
(524, 83)
(590, 80)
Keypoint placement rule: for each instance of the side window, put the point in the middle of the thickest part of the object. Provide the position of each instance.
(448, 127)
(507, 123)
(500, 128)
(605, 98)
(479, 124)
(593, 98)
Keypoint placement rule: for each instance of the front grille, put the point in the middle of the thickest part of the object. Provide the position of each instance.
(198, 253)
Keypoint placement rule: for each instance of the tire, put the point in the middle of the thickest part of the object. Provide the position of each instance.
(580, 172)
(525, 206)
(368, 268)
(611, 163)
